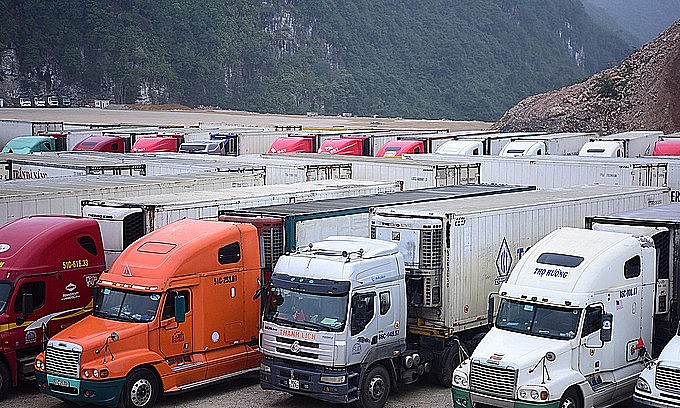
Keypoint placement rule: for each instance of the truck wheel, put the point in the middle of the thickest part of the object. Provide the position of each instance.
(570, 399)
(375, 388)
(140, 389)
(445, 377)
(5, 380)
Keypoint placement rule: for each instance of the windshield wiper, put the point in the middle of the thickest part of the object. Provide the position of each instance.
(316, 325)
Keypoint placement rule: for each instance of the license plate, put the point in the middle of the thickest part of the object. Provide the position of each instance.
(61, 383)
(294, 384)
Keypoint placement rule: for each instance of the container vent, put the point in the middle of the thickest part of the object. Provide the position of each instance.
(133, 228)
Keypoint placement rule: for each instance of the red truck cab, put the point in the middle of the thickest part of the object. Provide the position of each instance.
(293, 144)
(159, 143)
(397, 148)
(349, 147)
(48, 267)
(114, 144)
(667, 148)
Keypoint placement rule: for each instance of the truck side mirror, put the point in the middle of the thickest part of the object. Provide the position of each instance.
(491, 308)
(27, 303)
(606, 328)
(180, 310)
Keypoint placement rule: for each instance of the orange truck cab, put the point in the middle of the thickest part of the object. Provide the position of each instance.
(176, 311)
(48, 267)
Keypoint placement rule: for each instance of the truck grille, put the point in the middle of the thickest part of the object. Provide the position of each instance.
(667, 379)
(493, 380)
(62, 361)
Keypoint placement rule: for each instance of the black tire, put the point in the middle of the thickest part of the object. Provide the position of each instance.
(375, 388)
(445, 376)
(140, 389)
(5, 380)
(570, 399)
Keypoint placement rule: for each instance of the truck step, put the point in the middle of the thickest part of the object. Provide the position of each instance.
(25, 364)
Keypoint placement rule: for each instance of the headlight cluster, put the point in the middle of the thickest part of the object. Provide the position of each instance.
(94, 373)
(265, 368)
(39, 364)
(533, 393)
(333, 379)
(460, 379)
(641, 385)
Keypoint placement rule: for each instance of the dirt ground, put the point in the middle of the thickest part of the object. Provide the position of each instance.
(243, 392)
(193, 117)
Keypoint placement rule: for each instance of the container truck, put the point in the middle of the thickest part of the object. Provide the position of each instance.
(113, 144)
(35, 144)
(421, 143)
(124, 220)
(356, 144)
(300, 143)
(238, 143)
(667, 147)
(19, 198)
(162, 142)
(12, 128)
(413, 301)
(53, 101)
(313, 221)
(488, 144)
(574, 326)
(563, 144)
(626, 144)
(414, 173)
(215, 147)
(175, 312)
(48, 266)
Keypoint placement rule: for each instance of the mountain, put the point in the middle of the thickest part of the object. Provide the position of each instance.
(418, 58)
(642, 93)
(639, 21)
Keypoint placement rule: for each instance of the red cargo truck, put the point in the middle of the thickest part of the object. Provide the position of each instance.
(48, 267)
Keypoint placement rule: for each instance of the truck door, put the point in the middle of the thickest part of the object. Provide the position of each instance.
(388, 307)
(20, 338)
(363, 326)
(176, 338)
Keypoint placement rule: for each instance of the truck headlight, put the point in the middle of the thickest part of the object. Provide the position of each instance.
(460, 379)
(641, 385)
(265, 368)
(39, 364)
(533, 393)
(332, 379)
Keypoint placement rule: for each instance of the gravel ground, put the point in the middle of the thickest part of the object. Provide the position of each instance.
(243, 392)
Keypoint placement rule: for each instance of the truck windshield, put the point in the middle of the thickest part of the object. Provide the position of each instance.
(306, 310)
(126, 306)
(538, 320)
(5, 291)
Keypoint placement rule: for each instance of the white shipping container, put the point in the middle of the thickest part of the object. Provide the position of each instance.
(459, 251)
(19, 198)
(135, 216)
(414, 174)
(560, 171)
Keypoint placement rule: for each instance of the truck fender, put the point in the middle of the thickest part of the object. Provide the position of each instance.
(388, 364)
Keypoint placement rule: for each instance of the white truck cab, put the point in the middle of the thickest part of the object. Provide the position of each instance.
(603, 148)
(572, 320)
(461, 147)
(334, 320)
(657, 385)
(523, 148)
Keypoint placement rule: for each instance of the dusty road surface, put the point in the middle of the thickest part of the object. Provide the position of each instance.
(243, 392)
(236, 118)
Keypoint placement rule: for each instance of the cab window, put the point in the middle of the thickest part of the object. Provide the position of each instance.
(362, 311)
(37, 289)
(631, 269)
(229, 254)
(169, 306)
(593, 320)
(385, 302)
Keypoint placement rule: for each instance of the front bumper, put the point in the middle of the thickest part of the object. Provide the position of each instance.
(655, 401)
(307, 379)
(462, 398)
(101, 392)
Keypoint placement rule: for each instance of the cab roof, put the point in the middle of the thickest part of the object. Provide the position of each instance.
(40, 243)
(21, 143)
(93, 142)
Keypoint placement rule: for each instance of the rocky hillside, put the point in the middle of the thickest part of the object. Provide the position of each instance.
(643, 92)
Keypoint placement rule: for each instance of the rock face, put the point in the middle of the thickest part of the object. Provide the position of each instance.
(642, 93)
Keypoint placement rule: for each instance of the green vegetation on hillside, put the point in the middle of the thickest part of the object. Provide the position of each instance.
(418, 58)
